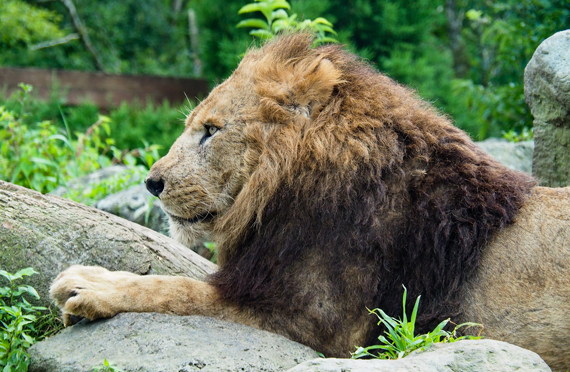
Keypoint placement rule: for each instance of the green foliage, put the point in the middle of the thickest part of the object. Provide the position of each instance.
(22, 23)
(514, 136)
(401, 340)
(17, 317)
(213, 250)
(125, 35)
(408, 40)
(133, 124)
(130, 124)
(277, 19)
(500, 40)
(107, 367)
(42, 156)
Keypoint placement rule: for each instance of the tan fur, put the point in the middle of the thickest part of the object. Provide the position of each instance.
(295, 121)
(521, 294)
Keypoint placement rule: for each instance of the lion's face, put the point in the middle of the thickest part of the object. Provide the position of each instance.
(206, 167)
(239, 142)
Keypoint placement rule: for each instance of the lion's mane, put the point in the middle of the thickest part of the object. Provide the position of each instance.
(357, 169)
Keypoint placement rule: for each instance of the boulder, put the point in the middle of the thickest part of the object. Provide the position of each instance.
(547, 92)
(153, 342)
(50, 234)
(515, 155)
(94, 178)
(464, 356)
(136, 204)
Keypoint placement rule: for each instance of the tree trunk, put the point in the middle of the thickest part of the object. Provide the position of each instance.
(194, 44)
(49, 234)
(454, 26)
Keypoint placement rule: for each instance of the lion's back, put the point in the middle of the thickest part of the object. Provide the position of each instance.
(524, 279)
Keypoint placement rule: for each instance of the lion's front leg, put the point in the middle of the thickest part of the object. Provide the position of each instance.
(94, 292)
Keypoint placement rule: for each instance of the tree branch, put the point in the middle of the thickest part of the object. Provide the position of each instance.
(51, 43)
(82, 30)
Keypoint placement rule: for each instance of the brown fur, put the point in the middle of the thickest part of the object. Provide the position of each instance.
(327, 187)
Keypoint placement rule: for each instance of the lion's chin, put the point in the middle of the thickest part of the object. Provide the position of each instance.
(188, 233)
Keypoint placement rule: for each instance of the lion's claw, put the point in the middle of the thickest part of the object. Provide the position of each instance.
(70, 319)
(85, 292)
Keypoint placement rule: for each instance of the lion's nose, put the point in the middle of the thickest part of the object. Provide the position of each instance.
(155, 187)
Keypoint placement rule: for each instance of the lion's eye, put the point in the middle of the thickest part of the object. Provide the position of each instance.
(210, 131)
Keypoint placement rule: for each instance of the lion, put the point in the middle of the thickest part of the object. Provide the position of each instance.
(327, 186)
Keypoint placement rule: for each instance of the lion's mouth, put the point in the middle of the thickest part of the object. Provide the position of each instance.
(204, 218)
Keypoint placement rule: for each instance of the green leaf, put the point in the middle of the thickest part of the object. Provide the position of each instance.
(323, 21)
(257, 7)
(262, 34)
(276, 4)
(253, 22)
(44, 161)
(327, 29)
(279, 14)
(64, 139)
(329, 40)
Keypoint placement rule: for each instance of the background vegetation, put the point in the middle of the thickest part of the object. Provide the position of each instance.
(467, 57)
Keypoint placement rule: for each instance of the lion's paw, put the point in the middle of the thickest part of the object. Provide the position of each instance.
(87, 292)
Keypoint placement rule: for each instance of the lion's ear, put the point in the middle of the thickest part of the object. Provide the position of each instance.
(297, 88)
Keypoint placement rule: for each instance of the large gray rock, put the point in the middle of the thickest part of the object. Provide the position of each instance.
(517, 156)
(98, 176)
(50, 234)
(166, 343)
(464, 356)
(547, 92)
(136, 204)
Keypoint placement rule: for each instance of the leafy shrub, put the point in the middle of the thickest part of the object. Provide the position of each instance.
(277, 19)
(17, 317)
(514, 136)
(33, 158)
(130, 123)
(133, 123)
(42, 156)
(401, 340)
(22, 23)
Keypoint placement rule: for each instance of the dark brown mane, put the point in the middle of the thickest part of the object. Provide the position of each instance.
(377, 184)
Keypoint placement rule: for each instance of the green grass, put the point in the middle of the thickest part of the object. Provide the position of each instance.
(400, 338)
(42, 155)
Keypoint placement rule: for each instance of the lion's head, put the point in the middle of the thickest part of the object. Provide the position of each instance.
(242, 140)
(308, 154)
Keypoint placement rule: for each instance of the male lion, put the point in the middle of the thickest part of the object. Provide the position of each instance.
(327, 186)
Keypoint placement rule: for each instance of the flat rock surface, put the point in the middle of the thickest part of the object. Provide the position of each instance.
(153, 342)
(462, 356)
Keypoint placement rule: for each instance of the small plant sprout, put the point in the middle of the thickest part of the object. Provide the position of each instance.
(277, 19)
(107, 367)
(400, 339)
